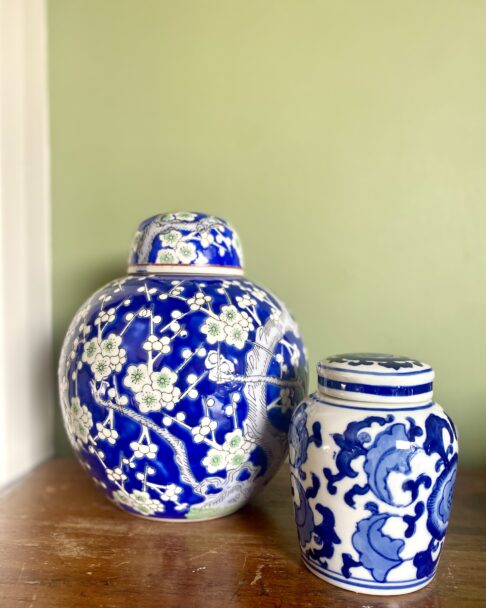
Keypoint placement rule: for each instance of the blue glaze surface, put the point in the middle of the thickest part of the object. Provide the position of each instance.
(177, 391)
(188, 239)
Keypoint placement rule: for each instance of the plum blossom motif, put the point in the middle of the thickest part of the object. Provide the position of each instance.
(171, 238)
(101, 367)
(91, 349)
(231, 326)
(186, 252)
(245, 301)
(215, 460)
(79, 420)
(157, 343)
(231, 455)
(148, 400)
(139, 501)
(230, 314)
(116, 475)
(167, 256)
(144, 450)
(205, 427)
(171, 493)
(214, 330)
(137, 377)
(106, 433)
(105, 316)
(198, 301)
(110, 347)
(235, 441)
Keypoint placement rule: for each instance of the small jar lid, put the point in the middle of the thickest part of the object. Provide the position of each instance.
(376, 377)
(186, 242)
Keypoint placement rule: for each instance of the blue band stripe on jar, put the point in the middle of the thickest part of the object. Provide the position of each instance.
(369, 373)
(383, 391)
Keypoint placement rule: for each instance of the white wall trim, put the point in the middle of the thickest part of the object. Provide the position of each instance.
(26, 377)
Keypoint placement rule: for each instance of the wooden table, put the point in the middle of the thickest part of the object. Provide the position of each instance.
(63, 544)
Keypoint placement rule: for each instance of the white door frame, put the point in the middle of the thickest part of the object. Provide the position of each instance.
(26, 396)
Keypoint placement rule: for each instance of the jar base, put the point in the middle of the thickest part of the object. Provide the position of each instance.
(366, 587)
(173, 520)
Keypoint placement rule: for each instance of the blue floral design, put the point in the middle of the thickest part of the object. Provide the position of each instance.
(377, 551)
(388, 361)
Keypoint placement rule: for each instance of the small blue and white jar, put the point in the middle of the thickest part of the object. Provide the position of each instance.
(178, 381)
(373, 464)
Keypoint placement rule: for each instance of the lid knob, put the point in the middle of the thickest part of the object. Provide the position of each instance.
(376, 377)
(186, 242)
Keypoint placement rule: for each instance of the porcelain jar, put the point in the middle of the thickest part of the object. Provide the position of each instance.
(178, 381)
(373, 464)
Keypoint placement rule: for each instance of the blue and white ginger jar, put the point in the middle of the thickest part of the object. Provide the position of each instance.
(178, 381)
(373, 464)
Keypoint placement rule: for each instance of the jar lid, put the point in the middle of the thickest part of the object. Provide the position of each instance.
(186, 242)
(376, 377)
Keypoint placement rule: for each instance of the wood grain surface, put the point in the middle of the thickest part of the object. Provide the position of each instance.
(63, 544)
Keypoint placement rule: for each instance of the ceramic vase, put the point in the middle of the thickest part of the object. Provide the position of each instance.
(373, 464)
(178, 381)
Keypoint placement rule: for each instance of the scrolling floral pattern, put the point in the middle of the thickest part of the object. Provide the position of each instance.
(372, 476)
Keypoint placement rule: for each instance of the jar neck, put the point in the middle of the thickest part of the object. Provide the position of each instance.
(349, 404)
(185, 269)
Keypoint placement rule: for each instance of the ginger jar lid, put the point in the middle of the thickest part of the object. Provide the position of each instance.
(186, 242)
(375, 377)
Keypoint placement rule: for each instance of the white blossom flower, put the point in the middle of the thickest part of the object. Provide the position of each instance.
(236, 459)
(164, 380)
(171, 238)
(214, 330)
(118, 360)
(144, 450)
(171, 493)
(199, 300)
(116, 475)
(157, 343)
(176, 291)
(169, 400)
(215, 460)
(206, 237)
(137, 377)
(186, 252)
(91, 349)
(234, 441)
(105, 316)
(246, 321)
(245, 301)
(107, 433)
(148, 400)
(101, 367)
(236, 335)
(230, 314)
(167, 256)
(79, 420)
(138, 501)
(206, 426)
(109, 346)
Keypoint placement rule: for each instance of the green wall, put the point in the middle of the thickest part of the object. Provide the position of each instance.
(346, 140)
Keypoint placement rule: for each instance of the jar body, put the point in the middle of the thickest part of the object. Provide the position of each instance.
(372, 489)
(177, 392)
